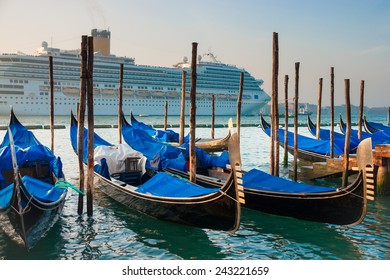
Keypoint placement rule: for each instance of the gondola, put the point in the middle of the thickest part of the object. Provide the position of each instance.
(172, 137)
(372, 127)
(165, 155)
(278, 196)
(161, 195)
(325, 134)
(309, 149)
(32, 186)
(379, 137)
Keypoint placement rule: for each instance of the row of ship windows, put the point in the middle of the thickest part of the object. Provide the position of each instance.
(106, 100)
(200, 84)
(114, 86)
(113, 104)
(18, 81)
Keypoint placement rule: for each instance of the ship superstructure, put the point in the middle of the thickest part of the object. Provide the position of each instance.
(24, 83)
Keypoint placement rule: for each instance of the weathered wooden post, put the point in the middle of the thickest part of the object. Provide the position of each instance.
(81, 119)
(361, 109)
(275, 72)
(239, 102)
(276, 129)
(347, 134)
(331, 112)
(318, 125)
(120, 103)
(165, 115)
(212, 116)
(183, 106)
(285, 158)
(51, 82)
(91, 159)
(193, 114)
(296, 99)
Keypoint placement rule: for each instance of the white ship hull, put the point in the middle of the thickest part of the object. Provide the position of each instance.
(32, 104)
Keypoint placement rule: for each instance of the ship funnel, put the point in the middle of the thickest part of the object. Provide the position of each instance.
(101, 41)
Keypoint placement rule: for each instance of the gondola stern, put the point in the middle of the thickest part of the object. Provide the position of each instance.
(13, 119)
(263, 123)
(123, 119)
(73, 120)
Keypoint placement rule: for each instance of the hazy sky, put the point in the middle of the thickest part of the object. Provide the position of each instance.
(351, 36)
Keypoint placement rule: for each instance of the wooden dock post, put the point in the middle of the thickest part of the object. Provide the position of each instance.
(165, 115)
(318, 125)
(182, 107)
(193, 113)
(331, 112)
(239, 102)
(81, 120)
(275, 72)
(295, 176)
(212, 116)
(347, 133)
(51, 82)
(91, 159)
(120, 103)
(285, 158)
(361, 107)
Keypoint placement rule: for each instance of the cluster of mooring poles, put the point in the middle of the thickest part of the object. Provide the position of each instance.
(274, 132)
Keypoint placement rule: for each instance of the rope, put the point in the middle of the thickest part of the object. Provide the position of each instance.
(62, 183)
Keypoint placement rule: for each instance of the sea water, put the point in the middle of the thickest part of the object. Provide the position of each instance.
(115, 232)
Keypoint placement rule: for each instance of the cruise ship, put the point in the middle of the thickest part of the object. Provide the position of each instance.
(24, 83)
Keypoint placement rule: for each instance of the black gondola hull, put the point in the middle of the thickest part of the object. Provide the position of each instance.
(30, 225)
(343, 207)
(203, 211)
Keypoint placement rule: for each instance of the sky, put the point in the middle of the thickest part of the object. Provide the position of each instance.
(351, 36)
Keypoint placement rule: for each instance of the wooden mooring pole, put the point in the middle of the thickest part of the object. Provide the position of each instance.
(165, 115)
(81, 120)
(90, 128)
(193, 114)
(318, 125)
(361, 107)
(51, 82)
(285, 147)
(182, 106)
(239, 102)
(331, 112)
(347, 133)
(120, 103)
(212, 116)
(296, 99)
(275, 71)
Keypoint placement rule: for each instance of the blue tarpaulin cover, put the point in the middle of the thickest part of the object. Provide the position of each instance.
(313, 145)
(41, 190)
(160, 135)
(5, 196)
(163, 155)
(259, 180)
(163, 184)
